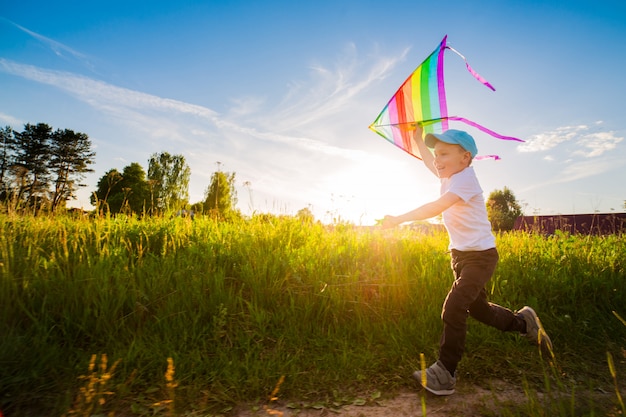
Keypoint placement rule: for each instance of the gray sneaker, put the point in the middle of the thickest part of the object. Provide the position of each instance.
(438, 380)
(534, 330)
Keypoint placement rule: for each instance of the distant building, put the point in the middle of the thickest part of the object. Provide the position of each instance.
(595, 224)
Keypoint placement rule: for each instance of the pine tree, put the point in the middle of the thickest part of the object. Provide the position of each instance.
(70, 157)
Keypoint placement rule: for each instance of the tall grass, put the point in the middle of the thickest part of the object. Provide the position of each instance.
(337, 310)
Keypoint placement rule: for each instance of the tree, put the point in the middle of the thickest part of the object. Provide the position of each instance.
(106, 198)
(134, 179)
(32, 154)
(70, 157)
(36, 159)
(503, 209)
(169, 179)
(305, 215)
(126, 192)
(220, 195)
(7, 149)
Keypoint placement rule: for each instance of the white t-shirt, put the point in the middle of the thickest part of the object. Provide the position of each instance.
(466, 221)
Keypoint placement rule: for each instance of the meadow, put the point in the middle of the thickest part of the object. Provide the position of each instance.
(169, 316)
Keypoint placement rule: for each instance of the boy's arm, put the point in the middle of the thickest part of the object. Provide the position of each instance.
(427, 211)
(427, 156)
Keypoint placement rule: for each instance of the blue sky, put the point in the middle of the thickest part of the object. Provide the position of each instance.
(282, 93)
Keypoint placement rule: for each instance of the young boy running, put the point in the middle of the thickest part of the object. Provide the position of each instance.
(473, 255)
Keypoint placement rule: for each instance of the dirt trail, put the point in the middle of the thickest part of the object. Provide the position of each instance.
(468, 401)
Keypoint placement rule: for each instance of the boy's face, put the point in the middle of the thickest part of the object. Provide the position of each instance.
(450, 159)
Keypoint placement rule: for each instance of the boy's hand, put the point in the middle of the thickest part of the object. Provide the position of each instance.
(388, 222)
(418, 132)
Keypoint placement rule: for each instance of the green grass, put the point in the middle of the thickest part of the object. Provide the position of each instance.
(337, 310)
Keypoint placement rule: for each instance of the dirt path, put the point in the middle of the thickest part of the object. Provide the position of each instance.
(469, 400)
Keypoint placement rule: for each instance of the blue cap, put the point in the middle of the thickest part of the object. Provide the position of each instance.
(455, 137)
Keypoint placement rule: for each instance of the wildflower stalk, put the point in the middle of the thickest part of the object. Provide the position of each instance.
(424, 381)
(92, 396)
(274, 397)
(170, 385)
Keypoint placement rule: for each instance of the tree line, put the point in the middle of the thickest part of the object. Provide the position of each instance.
(163, 189)
(41, 169)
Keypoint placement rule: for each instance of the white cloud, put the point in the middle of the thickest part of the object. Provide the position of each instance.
(136, 107)
(584, 169)
(548, 140)
(331, 89)
(100, 94)
(596, 144)
(59, 49)
(7, 119)
(245, 106)
(582, 141)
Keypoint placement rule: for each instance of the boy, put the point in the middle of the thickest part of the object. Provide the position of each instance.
(473, 255)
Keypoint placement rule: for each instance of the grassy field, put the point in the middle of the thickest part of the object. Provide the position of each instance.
(172, 316)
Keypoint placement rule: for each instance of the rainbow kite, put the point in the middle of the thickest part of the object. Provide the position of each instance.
(421, 99)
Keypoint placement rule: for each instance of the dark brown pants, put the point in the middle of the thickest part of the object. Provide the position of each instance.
(472, 271)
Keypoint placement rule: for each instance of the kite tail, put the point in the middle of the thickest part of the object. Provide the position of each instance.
(494, 157)
(483, 128)
(467, 122)
(474, 73)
